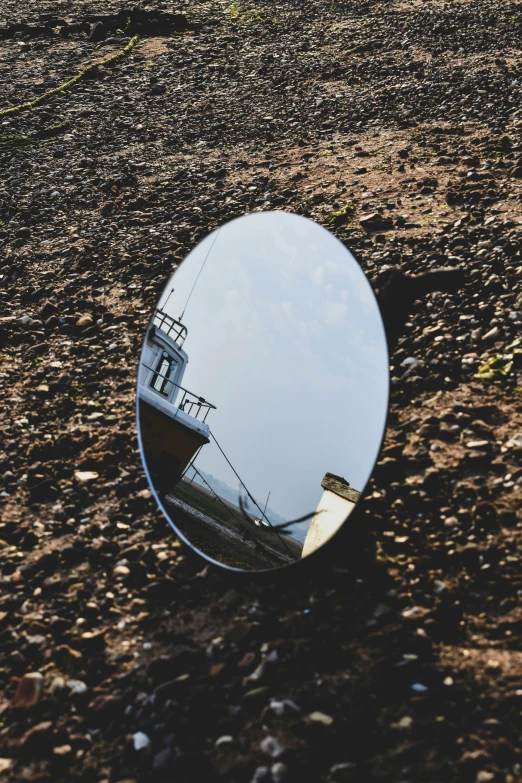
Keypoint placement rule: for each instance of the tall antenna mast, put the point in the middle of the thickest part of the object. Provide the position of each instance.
(200, 271)
(168, 297)
(266, 504)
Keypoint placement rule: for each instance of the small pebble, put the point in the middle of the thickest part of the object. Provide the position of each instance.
(262, 775)
(279, 771)
(28, 690)
(140, 740)
(321, 717)
(271, 747)
(226, 739)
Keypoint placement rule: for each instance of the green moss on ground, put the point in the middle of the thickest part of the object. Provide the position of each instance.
(503, 365)
(342, 216)
(12, 141)
(113, 58)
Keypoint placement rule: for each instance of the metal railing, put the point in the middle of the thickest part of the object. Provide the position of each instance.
(170, 326)
(189, 399)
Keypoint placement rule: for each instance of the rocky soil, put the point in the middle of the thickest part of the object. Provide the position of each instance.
(122, 657)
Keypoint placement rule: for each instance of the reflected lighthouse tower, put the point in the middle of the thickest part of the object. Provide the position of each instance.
(336, 504)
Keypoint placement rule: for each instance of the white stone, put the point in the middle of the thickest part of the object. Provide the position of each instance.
(140, 740)
(278, 771)
(271, 747)
(226, 739)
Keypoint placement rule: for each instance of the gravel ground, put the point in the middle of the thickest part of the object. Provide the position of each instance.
(122, 658)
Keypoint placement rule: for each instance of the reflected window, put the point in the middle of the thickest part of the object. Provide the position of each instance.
(165, 369)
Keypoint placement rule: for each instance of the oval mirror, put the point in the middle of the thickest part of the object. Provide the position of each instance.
(263, 392)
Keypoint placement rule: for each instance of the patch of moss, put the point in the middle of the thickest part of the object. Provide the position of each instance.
(500, 367)
(12, 141)
(113, 58)
(342, 216)
(246, 15)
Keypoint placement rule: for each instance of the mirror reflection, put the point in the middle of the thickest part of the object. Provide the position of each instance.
(263, 391)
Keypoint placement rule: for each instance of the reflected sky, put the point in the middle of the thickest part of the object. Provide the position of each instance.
(286, 339)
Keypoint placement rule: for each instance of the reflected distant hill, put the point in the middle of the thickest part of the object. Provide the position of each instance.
(227, 492)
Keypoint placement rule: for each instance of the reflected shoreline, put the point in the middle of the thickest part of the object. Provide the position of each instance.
(231, 546)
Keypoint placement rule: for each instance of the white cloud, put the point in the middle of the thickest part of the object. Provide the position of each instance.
(317, 275)
(334, 313)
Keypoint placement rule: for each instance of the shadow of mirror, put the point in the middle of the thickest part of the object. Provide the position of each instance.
(263, 391)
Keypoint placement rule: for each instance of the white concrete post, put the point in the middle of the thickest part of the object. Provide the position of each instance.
(336, 504)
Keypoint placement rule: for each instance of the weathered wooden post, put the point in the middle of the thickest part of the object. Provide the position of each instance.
(336, 504)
